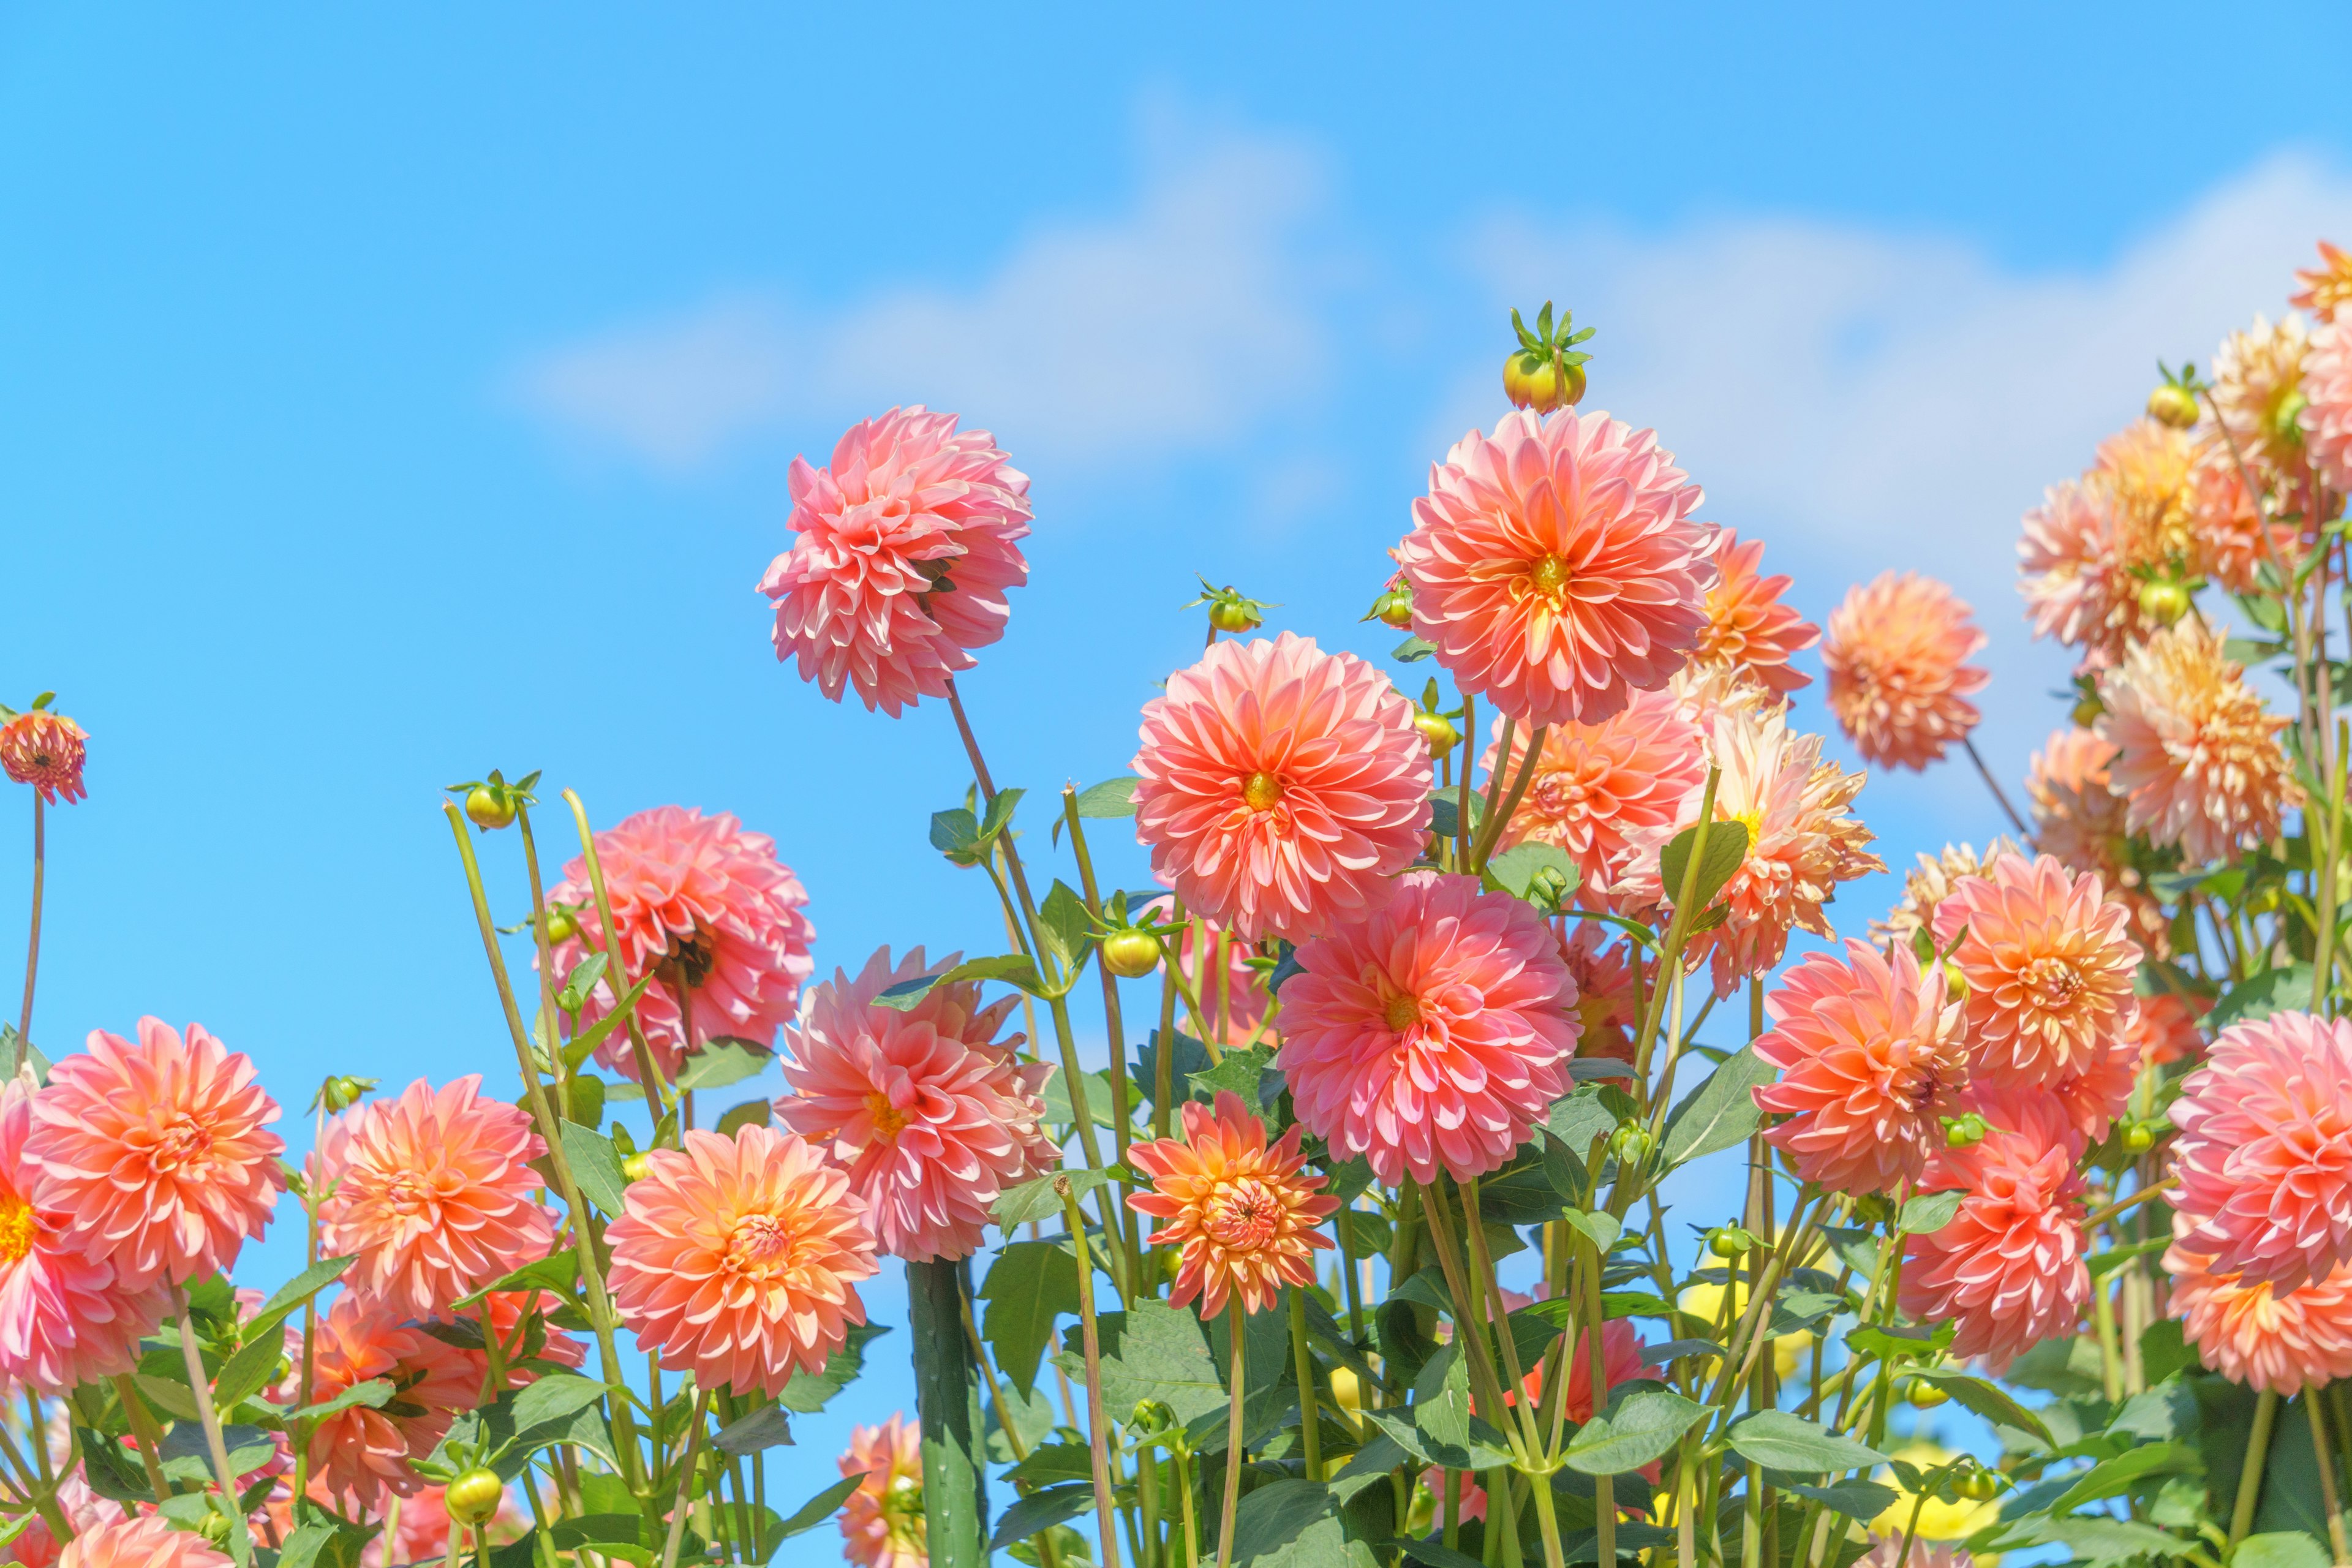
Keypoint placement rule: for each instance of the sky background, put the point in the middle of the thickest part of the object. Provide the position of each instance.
(388, 397)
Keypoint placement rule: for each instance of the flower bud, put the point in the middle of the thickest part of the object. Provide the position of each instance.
(341, 1093)
(1233, 615)
(634, 1168)
(2174, 405)
(1130, 953)
(488, 808)
(1438, 731)
(1731, 1241)
(1963, 1132)
(2286, 419)
(1980, 1486)
(561, 926)
(1629, 1144)
(1395, 608)
(2163, 600)
(2139, 1137)
(474, 1498)
(1923, 1394)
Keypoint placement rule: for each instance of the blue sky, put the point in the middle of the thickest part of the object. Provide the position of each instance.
(391, 397)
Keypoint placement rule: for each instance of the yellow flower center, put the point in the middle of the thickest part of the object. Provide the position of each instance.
(1402, 1013)
(17, 1228)
(888, 1120)
(2052, 981)
(1242, 1216)
(1548, 576)
(759, 1245)
(1262, 792)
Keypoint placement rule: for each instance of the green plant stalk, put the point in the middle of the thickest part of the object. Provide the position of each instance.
(616, 969)
(1670, 948)
(1303, 1363)
(1469, 1317)
(1121, 1112)
(1163, 1064)
(1547, 1512)
(1451, 1487)
(1496, 817)
(2314, 1406)
(32, 943)
(547, 1009)
(2323, 967)
(1098, 1419)
(947, 1400)
(301, 1434)
(240, 1545)
(686, 1478)
(1604, 1487)
(2250, 1474)
(1236, 1456)
(1344, 1224)
(148, 1437)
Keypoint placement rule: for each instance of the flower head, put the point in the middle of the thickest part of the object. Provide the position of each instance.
(2256, 372)
(1595, 785)
(709, 909)
(2257, 1335)
(2326, 416)
(2078, 819)
(158, 1153)
(365, 1456)
(44, 749)
(1243, 1214)
(2143, 476)
(1899, 680)
(2197, 760)
(2076, 584)
(2048, 964)
(1280, 787)
(2233, 534)
(931, 1114)
(739, 1257)
(2164, 1029)
(2264, 1155)
(1555, 565)
(1930, 884)
(882, 1524)
(1748, 628)
(1429, 1035)
(2099, 1090)
(907, 542)
(2325, 287)
(145, 1543)
(1608, 997)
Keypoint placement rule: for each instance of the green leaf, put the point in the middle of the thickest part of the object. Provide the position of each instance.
(1985, 1399)
(999, 813)
(2163, 1350)
(1780, 1441)
(1438, 1426)
(1056, 1095)
(582, 1046)
(1153, 1351)
(2279, 1549)
(111, 1471)
(1035, 1199)
(1412, 649)
(1242, 1072)
(1854, 1498)
(807, 1392)
(1012, 966)
(1050, 1463)
(595, 1167)
(1029, 1286)
(2259, 996)
(256, 1362)
(954, 832)
(2160, 1414)
(1040, 1511)
(1575, 1120)
(2113, 1477)
(1112, 797)
(1720, 1112)
(2101, 1263)
(1296, 1524)
(751, 1113)
(1639, 1428)
(2101, 1541)
(167, 1395)
(559, 1272)
(723, 1059)
(581, 981)
(1514, 870)
(1930, 1212)
(291, 1296)
(375, 1393)
(817, 1509)
(1602, 1229)
(553, 1396)
(767, 1428)
(1726, 846)
(1064, 927)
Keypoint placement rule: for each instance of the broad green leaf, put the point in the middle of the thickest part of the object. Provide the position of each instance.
(2101, 1541)
(1540, 873)
(751, 1113)
(1930, 1212)
(1241, 1072)
(2279, 1549)
(1721, 1112)
(954, 831)
(2261, 996)
(2113, 1477)
(2101, 1264)
(723, 1059)
(1153, 1351)
(1989, 1400)
(582, 1046)
(1603, 1230)
(375, 1393)
(112, 1470)
(1412, 649)
(807, 1392)
(1112, 797)
(1035, 1199)
(169, 1395)
(581, 981)
(1639, 1428)
(1050, 1463)
(595, 1167)
(817, 1509)
(1064, 927)
(1854, 1498)
(552, 1397)
(1726, 846)
(1576, 1119)
(559, 1272)
(1296, 1524)
(1029, 1286)
(1040, 1511)
(999, 814)
(1780, 1441)
(1011, 967)
(2158, 1414)
(2163, 1350)
(767, 1428)
(187, 1457)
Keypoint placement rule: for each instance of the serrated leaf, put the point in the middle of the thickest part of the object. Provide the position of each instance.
(1153, 1351)
(1719, 1113)
(1243, 1073)
(595, 1167)
(1640, 1429)
(1030, 1286)
(1726, 846)
(1930, 1212)
(1780, 1441)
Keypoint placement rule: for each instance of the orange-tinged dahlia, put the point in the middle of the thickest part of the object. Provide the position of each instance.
(2256, 375)
(2283, 1341)
(1280, 787)
(1928, 884)
(1608, 987)
(365, 1456)
(2264, 1155)
(45, 750)
(2143, 474)
(1555, 565)
(2326, 416)
(2079, 818)
(145, 1543)
(1870, 1061)
(2198, 759)
(1242, 1214)
(431, 1193)
(882, 1524)
(2008, 1267)
(159, 1152)
(2325, 287)
(1899, 677)
(2077, 587)
(1748, 628)
(739, 1257)
(2164, 1029)
(932, 1116)
(1595, 785)
(2100, 1090)
(2048, 965)
(1431, 1036)
(2233, 535)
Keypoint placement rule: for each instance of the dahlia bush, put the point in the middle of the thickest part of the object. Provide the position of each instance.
(1351, 1239)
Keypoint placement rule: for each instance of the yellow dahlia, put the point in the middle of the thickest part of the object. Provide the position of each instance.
(2257, 386)
(2198, 759)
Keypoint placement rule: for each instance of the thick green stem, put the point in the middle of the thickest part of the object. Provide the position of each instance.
(2250, 1474)
(148, 1436)
(1303, 1363)
(200, 1384)
(2315, 1410)
(947, 1401)
(1235, 1315)
(686, 1479)
(616, 978)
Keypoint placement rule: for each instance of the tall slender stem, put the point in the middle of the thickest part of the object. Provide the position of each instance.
(148, 1437)
(33, 935)
(1097, 1418)
(2249, 1474)
(2315, 1410)
(686, 1478)
(1303, 1363)
(200, 1384)
(1998, 795)
(1234, 1314)
(616, 965)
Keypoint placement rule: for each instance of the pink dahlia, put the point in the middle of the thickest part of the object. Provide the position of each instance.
(44, 749)
(1899, 677)
(2327, 418)
(363, 1457)
(2323, 290)
(431, 1193)
(158, 1152)
(739, 1257)
(2264, 1155)
(2198, 759)
(2079, 818)
(2233, 535)
(83, 1509)
(1870, 1061)
(2048, 965)
(1241, 1213)
(1429, 1035)
(2100, 1089)
(2076, 586)
(148, 1542)
(1596, 785)
(1749, 630)
(1555, 565)
(1281, 786)
(907, 542)
(2008, 1267)
(882, 1524)
(711, 909)
(2284, 1341)
(932, 1116)
(1608, 988)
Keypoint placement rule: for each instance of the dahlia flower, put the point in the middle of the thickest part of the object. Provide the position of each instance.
(2327, 418)
(2325, 287)
(1596, 785)
(2079, 819)
(1280, 787)
(1556, 566)
(1887, 1551)
(931, 1116)
(906, 545)
(363, 1457)
(1705, 692)
(431, 1194)
(2008, 1267)
(146, 1543)
(158, 1153)
(739, 1257)
(83, 1509)
(2076, 586)
(1608, 989)
(882, 1524)
(2264, 1155)
(1899, 680)
(2164, 1029)
(2048, 965)
(1429, 1035)
(2256, 1335)
(44, 749)
(2232, 535)
(1242, 1214)
(708, 906)
(2143, 476)
(1928, 884)
(1870, 1061)
(2256, 373)
(2099, 1090)
(2197, 760)
(1748, 628)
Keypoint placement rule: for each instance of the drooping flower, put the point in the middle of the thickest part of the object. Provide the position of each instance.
(1280, 787)
(931, 1115)
(707, 907)
(2325, 287)
(1870, 1061)
(2256, 375)
(45, 750)
(739, 1257)
(149, 1541)
(1749, 630)
(1242, 1214)
(2283, 1341)
(2197, 760)
(1555, 565)
(2326, 416)
(2048, 964)
(906, 545)
(1930, 884)
(1429, 1037)
(1897, 658)
(157, 1152)
(362, 1456)
(431, 1194)
(2264, 1155)
(1596, 785)
(882, 1524)
(2008, 1267)
(2077, 587)
(63, 1319)
(1608, 991)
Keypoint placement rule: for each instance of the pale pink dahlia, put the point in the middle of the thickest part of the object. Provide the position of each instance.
(932, 1116)
(2098, 1091)
(1241, 1213)
(2076, 586)
(157, 1152)
(1555, 565)
(2198, 759)
(1596, 785)
(2256, 375)
(882, 1524)
(2323, 288)
(2048, 965)
(907, 542)
(2264, 1155)
(146, 1543)
(707, 907)
(2284, 1341)
(1899, 677)
(2327, 418)
(2233, 534)
(83, 1509)
(2008, 1267)
(2079, 818)
(1930, 882)
(1429, 1035)
(739, 1257)
(363, 1457)
(1870, 1061)
(1280, 787)
(1749, 630)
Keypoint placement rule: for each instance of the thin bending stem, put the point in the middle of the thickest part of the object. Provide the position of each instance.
(200, 1384)
(33, 938)
(1993, 784)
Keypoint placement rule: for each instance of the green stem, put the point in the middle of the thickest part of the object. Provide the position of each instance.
(1605, 1493)
(32, 940)
(2250, 1474)
(947, 1405)
(147, 1437)
(1234, 1316)
(1097, 1418)
(616, 977)
(1303, 1363)
(200, 1384)
(686, 1478)
(1493, 828)
(2315, 1407)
